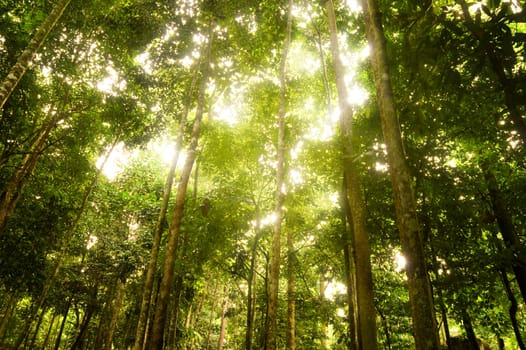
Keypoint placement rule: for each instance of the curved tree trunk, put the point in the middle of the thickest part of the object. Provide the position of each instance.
(24, 60)
(272, 307)
(419, 286)
(362, 252)
(175, 226)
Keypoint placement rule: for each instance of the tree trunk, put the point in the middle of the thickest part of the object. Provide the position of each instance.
(175, 226)
(49, 331)
(385, 326)
(251, 284)
(350, 275)
(222, 333)
(506, 227)
(419, 286)
(470, 333)
(37, 328)
(324, 320)
(159, 228)
(117, 302)
(174, 319)
(210, 321)
(291, 292)
(11, 194)
(513, 309)
(81, 337)
(62, 325)
(8, 313)
(24, 60)
(443, 311)
(362, 251)
(63, 249)
(272, 311)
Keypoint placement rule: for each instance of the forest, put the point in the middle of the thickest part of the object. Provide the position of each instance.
(273, 174)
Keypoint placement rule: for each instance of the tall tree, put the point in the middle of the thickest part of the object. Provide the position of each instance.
(178, 211)
(366, 326)
(420, 294)
(272, 316)
(24, 60)
(141, 333)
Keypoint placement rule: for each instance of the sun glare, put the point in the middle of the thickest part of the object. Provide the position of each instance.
(399, 261)
(111, 84)
(333, 289)
(354, 6)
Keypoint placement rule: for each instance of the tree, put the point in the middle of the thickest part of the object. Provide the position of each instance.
(178, 211)
(366, 326)
(24, 60)
(420, 295)
(272, 321)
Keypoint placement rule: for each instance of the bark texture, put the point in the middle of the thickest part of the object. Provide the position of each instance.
(24, 60)
(366, 325)
(419, 286)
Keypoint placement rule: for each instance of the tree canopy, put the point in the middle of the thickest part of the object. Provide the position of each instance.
(206, 174)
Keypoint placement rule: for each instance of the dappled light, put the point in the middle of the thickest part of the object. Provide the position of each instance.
(262, 175)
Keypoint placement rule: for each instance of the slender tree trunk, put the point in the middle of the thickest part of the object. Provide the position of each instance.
(159, 228)
(512, 310)
(470, 333)
(8, 313)
(49, 331)
(385, 326)
(222, 333)
(500, 343)
(506, 227)
(24, 60)
(251, 281)
(419, 286)
(324, 320)
(175, 227)
(83, 332)
(10, 196)
(210, 321)
(362, 251)
(176, 297)
(443, 311)
(102, 326)
(350, 270)
(37, 328)
(291, 292)
(195, 322)
(117, 303)
(63, 249)
(272, 315)
(62, 325)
